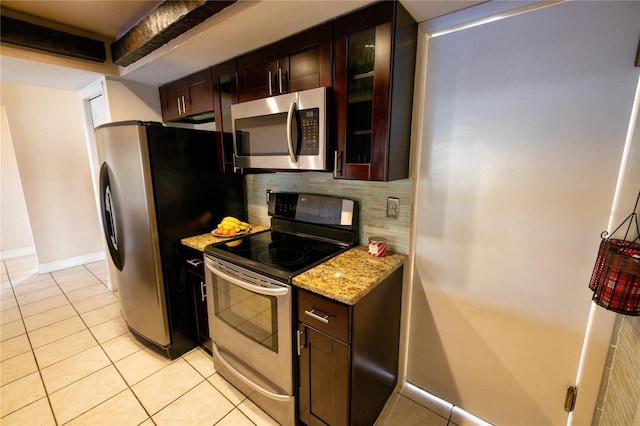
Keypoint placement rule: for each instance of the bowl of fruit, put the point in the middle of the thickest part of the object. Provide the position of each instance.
(231, 227)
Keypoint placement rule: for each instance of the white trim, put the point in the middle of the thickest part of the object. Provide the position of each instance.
(44, 268)
(482, 14)
(452, 413)
(427, 400)
(12, 254)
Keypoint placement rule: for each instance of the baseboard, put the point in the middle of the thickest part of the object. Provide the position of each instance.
(12, 254)
(44, 268)
(427, 400)
(445, 409)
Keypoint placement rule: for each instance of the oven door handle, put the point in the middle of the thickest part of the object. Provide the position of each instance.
(278, 291)
(250, 383)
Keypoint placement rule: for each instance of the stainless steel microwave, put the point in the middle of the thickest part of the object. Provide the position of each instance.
(285, 132)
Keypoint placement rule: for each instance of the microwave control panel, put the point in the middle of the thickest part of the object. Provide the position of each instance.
(310, 129)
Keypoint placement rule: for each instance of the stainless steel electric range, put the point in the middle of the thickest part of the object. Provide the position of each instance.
(251, 311)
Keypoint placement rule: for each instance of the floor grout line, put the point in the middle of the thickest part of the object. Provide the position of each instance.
(40, 369)
(245, 408)
(44, 387)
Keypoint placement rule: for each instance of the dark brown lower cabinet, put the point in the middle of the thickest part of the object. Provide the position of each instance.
(194, 270)
(348, 355)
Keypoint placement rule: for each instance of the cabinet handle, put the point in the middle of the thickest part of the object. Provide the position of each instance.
(280, 79)
(270, 88)
(312, 314)
(203, 291)
(301, 345)
(337, 160)
(195, 262)
(184, 108)
(179, 110)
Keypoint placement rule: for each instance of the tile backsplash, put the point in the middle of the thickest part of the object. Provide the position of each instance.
(619, 398)
(371, 196)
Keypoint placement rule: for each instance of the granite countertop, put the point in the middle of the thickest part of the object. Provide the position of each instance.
(199, 242)
(349, 276)
(346, 278)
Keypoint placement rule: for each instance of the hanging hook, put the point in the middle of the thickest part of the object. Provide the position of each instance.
(633, 217)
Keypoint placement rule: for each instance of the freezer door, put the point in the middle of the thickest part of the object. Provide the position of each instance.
(131, 230)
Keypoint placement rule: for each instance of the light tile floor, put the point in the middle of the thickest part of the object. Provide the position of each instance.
(66, 357)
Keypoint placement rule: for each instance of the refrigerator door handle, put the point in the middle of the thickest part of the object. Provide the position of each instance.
(108, 209)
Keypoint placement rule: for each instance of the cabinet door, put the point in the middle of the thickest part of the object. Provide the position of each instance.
(362, 48)
(171, 101)
(372, 136)
(198, 93)
(201, 321)
(257, 73)
(305, 60)
(324, 379)
(225, 93)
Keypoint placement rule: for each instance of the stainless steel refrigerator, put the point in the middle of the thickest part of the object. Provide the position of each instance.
(158, 185)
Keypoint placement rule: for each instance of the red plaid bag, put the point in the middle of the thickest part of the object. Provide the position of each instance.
(616, 277)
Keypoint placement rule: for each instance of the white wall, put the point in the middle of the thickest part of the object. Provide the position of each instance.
(523, 129)
(47, 131)
(15, 232)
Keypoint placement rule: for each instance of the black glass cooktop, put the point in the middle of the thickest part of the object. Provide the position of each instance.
(277, 254)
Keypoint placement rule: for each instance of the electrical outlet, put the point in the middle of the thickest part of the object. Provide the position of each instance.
(393, 205)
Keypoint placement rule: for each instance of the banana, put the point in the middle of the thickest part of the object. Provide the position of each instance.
(232, 219)
(232, 223)
(228, 223)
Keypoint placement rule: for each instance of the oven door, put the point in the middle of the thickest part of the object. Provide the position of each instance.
(250, 320)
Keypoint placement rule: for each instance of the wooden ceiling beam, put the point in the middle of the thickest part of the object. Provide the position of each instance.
(166, 22)
(26, 34)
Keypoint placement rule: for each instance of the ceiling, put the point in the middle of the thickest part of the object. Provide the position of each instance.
(241, 27)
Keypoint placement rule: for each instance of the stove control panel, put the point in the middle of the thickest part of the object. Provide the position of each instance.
(313, 208)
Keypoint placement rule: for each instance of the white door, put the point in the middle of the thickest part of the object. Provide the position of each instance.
(524, 125)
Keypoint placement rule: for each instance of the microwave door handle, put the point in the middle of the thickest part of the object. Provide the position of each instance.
(292, 153)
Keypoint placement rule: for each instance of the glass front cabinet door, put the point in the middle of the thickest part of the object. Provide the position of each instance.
(374, 54)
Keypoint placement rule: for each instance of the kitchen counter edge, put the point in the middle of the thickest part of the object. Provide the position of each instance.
(349, 276)
(346, 278)
(199, 242)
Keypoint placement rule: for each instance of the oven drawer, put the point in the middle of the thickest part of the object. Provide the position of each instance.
(324, 314)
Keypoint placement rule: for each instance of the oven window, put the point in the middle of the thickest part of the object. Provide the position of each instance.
(254, 315)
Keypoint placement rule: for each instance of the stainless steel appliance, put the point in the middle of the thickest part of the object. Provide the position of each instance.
(157, 185)
(282, 132)
(251, 313)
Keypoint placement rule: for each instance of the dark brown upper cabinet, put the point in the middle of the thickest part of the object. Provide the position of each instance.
(189, 99)
(299, 62)
(225, 93)
(374, 52)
